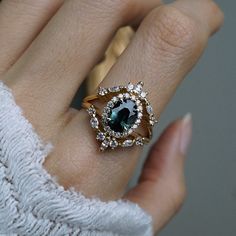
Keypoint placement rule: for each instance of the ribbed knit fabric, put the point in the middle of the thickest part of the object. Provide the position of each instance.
(32, 203)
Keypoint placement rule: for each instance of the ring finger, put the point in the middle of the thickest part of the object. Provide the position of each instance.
(167, 45)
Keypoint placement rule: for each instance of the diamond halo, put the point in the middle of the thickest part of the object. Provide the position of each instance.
(126, 109)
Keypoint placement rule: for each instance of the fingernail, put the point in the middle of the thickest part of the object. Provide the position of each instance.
(186, 133)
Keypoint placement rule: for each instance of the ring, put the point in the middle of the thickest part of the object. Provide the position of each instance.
(126, 120)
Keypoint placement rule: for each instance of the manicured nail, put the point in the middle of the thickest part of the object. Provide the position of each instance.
(186, 133)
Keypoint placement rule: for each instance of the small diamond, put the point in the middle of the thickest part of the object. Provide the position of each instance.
(94, 122)
(133, 98)
(130, 87)
(113, 144)
(102, 91)
(143, 94)
(140, 115)
(127, 95)
(91, 111)
(138, 121)
(130, 131)
(114, 89)
(104, 145)
(134, 126)
(139, 141)
(100, 136)
(120, 96)
(149, 109)
(152, 118)
(138, 88)
(106, 110)
(151, 122)
(110, 104)
(117, 135)
(104, 117)
(128, 143)
(114, 99)
(140, 108)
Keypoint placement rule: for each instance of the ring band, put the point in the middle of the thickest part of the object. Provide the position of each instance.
(127, 118)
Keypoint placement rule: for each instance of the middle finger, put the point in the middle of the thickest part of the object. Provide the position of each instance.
(66, 50)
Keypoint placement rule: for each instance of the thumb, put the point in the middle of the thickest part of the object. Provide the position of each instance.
(161, 188)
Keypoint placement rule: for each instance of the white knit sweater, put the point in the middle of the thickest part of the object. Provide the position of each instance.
(32, 203)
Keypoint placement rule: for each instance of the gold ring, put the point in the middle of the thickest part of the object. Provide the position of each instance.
(127, 118)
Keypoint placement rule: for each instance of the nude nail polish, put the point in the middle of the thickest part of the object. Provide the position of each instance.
(186, 133)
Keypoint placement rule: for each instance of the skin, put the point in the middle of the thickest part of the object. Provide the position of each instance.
(47, 49)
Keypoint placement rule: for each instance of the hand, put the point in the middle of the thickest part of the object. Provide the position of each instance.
(48, 48)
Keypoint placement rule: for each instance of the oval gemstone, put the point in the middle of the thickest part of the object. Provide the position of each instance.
(123, 115)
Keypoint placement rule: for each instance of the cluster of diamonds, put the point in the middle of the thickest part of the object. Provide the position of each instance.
(110, 138)
(142, 95)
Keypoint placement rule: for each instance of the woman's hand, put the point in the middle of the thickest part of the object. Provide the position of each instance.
(47, 49)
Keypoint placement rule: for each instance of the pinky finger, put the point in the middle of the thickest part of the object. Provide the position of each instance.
(161, 188)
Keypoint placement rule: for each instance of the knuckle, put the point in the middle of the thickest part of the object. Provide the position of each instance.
(120, 9)
(110, 7)
(172, 31)
(109, 11)
(117, 4)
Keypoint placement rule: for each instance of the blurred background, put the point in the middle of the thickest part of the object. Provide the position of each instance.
(209, 93)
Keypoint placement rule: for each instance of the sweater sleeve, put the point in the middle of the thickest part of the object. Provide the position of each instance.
(33, 203)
